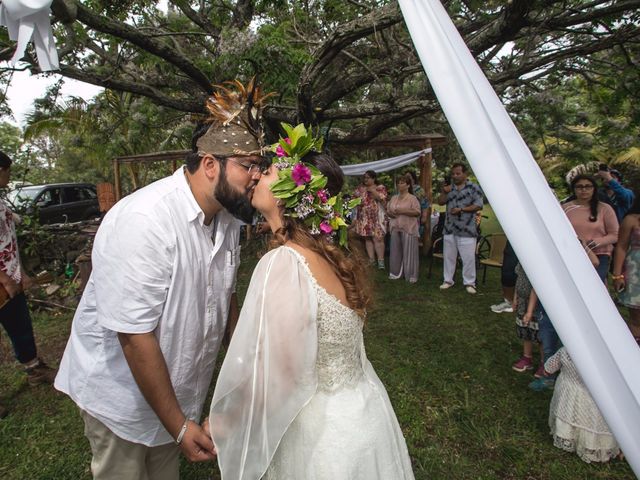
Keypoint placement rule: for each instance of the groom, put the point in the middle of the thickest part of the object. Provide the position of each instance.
(161, 296)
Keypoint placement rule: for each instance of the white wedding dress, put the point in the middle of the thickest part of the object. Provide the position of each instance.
(296, 397)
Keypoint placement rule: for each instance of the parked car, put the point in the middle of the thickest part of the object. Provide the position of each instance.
(57, 202)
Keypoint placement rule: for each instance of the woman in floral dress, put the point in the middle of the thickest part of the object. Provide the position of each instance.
(371, 218)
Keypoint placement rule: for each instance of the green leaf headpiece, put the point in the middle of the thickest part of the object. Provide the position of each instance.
(301, 186)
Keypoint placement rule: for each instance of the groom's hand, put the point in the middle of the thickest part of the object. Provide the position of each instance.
(196, 445)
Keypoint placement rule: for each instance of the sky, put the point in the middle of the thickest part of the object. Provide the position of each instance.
(25, 88)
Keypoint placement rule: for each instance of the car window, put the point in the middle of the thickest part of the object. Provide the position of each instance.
(88, 193)
(22, 196)
(77, 194)
(49, 197)
(72, 194)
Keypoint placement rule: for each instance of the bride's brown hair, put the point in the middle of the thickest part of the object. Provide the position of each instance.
(348, 264)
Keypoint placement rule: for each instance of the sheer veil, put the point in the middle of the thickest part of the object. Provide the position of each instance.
(269, 373)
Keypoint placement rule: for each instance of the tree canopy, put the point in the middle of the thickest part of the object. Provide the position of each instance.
(348, 66)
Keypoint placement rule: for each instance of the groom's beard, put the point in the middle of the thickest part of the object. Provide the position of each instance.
(236, 203)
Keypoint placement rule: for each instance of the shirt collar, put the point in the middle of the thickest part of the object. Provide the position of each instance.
(193, 210)
(467, 182)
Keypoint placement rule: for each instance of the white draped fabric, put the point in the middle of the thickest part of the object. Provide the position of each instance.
(580, 307)
(383, 165)
(26, 19)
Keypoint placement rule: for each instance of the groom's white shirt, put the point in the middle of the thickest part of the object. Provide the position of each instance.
(155, 268)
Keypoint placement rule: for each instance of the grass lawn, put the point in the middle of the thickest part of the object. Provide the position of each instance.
(444, 357)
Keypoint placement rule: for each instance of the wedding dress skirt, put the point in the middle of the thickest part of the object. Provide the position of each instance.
(296, 397)
(350, 433)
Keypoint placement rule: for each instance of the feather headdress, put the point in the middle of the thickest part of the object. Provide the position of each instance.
(235, 115)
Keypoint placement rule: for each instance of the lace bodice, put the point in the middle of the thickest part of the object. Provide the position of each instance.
(340, 342)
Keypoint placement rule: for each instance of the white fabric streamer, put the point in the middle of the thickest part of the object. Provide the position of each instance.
(26, 19)
(383, 165)
(579, 306)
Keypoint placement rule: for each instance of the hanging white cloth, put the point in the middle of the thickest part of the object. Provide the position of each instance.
(579, 306)
(383, 165)
(25, 19)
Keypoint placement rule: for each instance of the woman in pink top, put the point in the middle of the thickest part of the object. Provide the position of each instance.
(403, 211)
(595, 222)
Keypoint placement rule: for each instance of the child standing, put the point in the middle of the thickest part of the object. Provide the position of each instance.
(574, 419)
(527, 318)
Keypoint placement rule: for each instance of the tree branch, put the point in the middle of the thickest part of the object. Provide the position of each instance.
(133, 35)
(182, 104)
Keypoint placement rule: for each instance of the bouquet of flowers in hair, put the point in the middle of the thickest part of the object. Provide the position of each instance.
(301, 186)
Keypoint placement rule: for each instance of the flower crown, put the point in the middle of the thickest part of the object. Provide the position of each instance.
(301, 186)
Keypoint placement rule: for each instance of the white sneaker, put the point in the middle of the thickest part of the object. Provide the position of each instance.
(446, 285)
(470, 289)
(504, 307)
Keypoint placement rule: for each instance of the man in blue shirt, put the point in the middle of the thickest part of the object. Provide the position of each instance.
(614, 193)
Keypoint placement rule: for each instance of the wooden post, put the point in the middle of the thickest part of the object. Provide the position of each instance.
(116, 176)
(426, 184)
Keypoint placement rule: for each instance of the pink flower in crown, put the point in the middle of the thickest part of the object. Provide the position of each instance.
(280, 151)
(301, 174)
(325, 227)
(323, 195)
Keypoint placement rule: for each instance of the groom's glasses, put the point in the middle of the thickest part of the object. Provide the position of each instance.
(252, 168)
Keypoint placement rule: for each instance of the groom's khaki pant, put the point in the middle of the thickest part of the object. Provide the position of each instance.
(118, 459)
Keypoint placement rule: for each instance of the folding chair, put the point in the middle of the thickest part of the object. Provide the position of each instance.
(496, 243)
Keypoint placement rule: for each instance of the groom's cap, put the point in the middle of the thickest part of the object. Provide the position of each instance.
(235, 118)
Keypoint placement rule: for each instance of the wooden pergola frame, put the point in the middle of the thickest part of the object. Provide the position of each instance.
(416, 142)
(171, 156)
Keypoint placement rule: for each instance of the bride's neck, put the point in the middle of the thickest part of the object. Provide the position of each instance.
(274, 219)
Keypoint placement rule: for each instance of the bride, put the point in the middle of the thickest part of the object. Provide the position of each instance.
(296, 397)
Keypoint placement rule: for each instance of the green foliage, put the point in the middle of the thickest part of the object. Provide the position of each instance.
(80, 139)
(32, 238)
(11, 141)
(579, 119)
